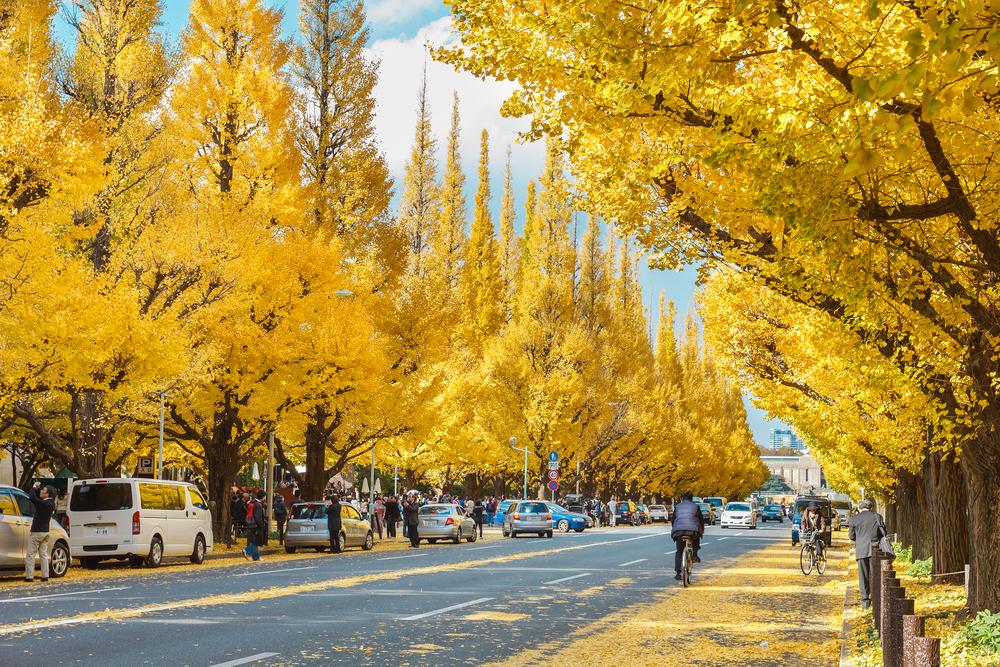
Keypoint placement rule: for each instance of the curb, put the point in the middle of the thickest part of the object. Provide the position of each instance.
(846, 659)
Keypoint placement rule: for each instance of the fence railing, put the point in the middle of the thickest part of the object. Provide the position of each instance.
(900, 631)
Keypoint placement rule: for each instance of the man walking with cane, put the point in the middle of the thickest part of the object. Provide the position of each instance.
(864, 529)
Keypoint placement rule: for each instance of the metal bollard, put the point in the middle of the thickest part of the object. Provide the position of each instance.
(913, 627)
(899, 607)
(890, 650)
(886, 578)
(926, 652)
(874, 581)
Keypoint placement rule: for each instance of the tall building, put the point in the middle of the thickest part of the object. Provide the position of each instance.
(786, 437)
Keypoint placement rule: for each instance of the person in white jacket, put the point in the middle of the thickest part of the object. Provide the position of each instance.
(612, 512)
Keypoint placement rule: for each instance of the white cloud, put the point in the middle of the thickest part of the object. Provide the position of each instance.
(397, 11)
(402, 63)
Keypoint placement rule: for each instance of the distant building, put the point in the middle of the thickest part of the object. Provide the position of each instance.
(802, 473)
(785, 437)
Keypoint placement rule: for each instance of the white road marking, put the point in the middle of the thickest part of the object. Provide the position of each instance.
(723, 538)
(559, 581)
(245, 661)
(670, 553)
(62, 595)
(287, 569)
(445, 610)
(399, 557)
(633, 562)
(494, 546)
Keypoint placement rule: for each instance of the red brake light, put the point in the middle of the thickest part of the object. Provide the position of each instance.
(548, 516)
(135, 523)
(65, 523)
(517, 516)
(449, 521)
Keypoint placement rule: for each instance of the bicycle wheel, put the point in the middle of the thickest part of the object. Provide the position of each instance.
(821, 564)
(686, 568)
(806, 559)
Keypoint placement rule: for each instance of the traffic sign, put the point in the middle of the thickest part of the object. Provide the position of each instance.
(553, 485)
(553, 455)
(553, 475)
(553, 465)
(144, 467)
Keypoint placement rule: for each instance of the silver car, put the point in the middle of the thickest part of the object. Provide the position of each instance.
(528, 516)
(446, 522)
(16, 512)
(307, 527)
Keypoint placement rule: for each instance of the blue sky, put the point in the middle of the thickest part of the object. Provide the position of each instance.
(399, 30)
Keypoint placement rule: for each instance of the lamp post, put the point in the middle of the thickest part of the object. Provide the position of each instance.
(159, 452)
(577, 478)
(513, 445)
(269, 481)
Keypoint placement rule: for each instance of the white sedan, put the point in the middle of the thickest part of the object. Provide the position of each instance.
(738, 515)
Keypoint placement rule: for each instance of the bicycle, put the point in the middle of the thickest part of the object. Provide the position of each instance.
(687, 560)
(810, 557)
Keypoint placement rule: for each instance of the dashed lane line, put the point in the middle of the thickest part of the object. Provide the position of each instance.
(569, 578)
(445, 610)
(245, 661)
(633, 562)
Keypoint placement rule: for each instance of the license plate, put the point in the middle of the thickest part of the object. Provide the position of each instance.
(531, 517)
(97, 532)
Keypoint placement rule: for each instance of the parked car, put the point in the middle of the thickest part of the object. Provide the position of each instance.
(799, 508)
(574, 503)
(842, 510)
(502, 512)
(738, 515)
(528, 516)
(307, 528)
(144, 520)
(446, 522)
(564, 520)
(772, 513)
(16, 512)
(659, 513)
(707, 513)
(628, 513)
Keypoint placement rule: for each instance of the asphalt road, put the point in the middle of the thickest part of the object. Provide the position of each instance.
(439, 605)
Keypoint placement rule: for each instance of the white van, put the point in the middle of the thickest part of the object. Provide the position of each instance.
(141, 519)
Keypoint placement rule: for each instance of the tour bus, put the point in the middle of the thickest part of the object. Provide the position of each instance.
(143, 520)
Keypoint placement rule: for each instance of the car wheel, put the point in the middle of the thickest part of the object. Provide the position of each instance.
(513, 534)
(290, 550)
(343, 542)
(458, 536)
(432, 540)
(135, 561)
(155, 556)
(59, 560)
(579, 530)
(563, 526)
(548, 534)
(320, 550)
(198, 553)
(475, 536)
(90, 562)
(505, 532)
(369, 542)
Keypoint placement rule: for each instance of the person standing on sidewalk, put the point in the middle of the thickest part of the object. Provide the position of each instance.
(38, 539)
(379, 515)
(392, 516)
(479, 515)
(612, 512)
(864, 529)
(334, 523)
(280, 516)
(254, 521)
(411, 515)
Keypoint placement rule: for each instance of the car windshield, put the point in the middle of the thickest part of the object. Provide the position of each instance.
(842, 504)
(532, 508)
(308, 511)
(773, 508)
(703, 506)
(437, 510)
(737, 507)
(101, 497)
(715, 502)
(656, 508)
(505, 505)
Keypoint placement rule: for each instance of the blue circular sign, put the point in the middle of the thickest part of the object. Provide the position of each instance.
(553, 455)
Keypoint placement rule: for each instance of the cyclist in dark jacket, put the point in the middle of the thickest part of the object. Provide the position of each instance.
(688, 522)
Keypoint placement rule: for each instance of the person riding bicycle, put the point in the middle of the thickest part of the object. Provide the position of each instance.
(813, 520)
(688, 522)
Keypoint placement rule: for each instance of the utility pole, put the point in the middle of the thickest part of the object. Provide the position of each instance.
(577, 478)
(159, 457)
(371, 493)
(269, 483)
(395, 478)
(513, 445)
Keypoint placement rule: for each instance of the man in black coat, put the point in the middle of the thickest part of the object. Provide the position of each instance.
(391, 516)
(864, 529)
(333, 521)
(411, 509)
(38, 538)
(688, 522)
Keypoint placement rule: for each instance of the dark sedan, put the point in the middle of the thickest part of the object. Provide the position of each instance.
(772, 513)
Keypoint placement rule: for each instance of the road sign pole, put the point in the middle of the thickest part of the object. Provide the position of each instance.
(159, 457)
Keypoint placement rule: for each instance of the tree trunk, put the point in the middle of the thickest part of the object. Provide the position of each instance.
(222, 458)
(981, 465)
(912, 516)
(93, 433)
(949, 524)
(314, 482)
(890, 517)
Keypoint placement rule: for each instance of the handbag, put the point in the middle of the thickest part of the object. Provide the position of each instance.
(885, 546)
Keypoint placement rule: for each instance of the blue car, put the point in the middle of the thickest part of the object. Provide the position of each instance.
(502, 512)
(563, 520)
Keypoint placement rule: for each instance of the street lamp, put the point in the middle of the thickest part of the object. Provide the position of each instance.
(163, 407)
(513, 445)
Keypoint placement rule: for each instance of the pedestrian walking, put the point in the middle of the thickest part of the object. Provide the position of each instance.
(411, 516)
(280, 516)
(478, 515)
(254, 527)
(39, 542)
(334, 524)
(865, 529)
(379, 515)
(237, 514)
(612, 512)
(392, 516)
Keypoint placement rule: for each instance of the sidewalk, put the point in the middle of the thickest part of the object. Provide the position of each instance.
(756, 610)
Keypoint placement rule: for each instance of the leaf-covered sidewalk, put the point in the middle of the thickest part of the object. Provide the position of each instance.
(756, 610)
